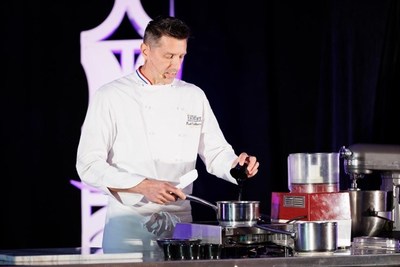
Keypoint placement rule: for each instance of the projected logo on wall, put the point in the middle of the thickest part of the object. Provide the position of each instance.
(105, 59)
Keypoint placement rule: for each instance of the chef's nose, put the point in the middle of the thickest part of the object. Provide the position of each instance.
(176, 62)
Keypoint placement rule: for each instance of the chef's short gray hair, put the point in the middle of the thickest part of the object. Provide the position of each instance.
(165, 26)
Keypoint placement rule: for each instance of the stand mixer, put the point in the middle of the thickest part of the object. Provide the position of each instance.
(374, 212)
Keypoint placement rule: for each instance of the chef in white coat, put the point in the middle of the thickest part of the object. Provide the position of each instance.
(142, 133)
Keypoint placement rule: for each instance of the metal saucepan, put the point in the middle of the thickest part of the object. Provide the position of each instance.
(233, 213)
(310, 236)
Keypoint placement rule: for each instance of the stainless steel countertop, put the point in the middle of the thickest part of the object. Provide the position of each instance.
(75, 257)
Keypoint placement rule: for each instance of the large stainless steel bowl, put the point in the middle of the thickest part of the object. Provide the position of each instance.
(365, 207)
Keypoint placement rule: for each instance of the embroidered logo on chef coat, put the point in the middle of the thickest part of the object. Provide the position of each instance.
(193, 120)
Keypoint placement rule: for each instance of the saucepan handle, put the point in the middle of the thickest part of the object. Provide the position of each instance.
(271, 229)
(201, 201)
(297, 218)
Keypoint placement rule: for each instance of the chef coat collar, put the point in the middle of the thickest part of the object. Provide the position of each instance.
(142, 77)
(144, 81)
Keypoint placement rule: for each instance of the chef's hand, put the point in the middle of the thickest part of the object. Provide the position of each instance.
(251, 161)
(160, 192)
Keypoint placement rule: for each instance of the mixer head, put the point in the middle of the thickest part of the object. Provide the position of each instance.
(362, 159)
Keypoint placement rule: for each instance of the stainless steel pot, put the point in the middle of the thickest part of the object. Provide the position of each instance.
(233, 213)
(310, 236)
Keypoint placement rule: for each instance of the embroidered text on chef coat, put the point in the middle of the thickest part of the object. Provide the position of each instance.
(193, 120)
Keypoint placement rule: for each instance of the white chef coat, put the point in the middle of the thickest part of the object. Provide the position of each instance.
(134, 131)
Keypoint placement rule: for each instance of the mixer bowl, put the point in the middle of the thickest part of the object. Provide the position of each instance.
(370, 226)
(365, 207)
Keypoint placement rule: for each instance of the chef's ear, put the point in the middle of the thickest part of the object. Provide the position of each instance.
(144, 48)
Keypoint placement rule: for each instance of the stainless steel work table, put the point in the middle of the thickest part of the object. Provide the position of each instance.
(73, 257)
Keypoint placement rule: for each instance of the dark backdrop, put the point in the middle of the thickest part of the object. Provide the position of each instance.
(282, 77)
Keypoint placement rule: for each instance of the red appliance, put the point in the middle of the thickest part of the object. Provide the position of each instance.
(320, 206)
(314, 194)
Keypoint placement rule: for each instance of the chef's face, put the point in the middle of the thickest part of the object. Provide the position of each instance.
(163, 59)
